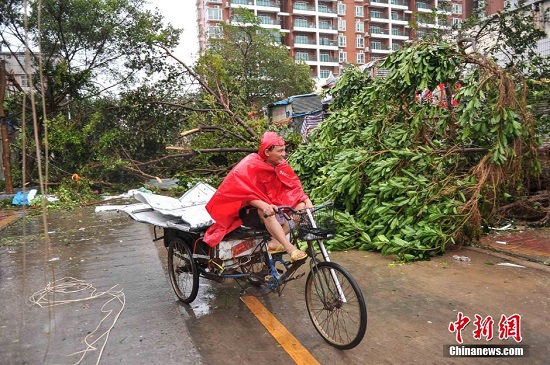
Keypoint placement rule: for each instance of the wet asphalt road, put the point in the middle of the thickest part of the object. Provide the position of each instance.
(410, 307)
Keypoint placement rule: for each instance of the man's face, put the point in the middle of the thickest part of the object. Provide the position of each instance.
(276, 155)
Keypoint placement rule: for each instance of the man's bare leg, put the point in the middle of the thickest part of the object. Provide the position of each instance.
(278, 234)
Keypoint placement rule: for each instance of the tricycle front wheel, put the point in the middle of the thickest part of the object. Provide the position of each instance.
(182, 270)
(336, 305)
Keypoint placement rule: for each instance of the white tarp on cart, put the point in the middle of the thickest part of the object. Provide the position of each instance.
(188, 213)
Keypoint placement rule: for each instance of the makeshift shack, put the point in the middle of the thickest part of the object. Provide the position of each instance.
(300, 112)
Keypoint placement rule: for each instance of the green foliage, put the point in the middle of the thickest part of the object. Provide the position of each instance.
(87, 50)
(73, 194)
(250, 67)
(400, 170)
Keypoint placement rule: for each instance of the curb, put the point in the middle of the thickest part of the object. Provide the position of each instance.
(527, 262)
(8, 219)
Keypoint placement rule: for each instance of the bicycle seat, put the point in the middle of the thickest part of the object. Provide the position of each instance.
(245, 232)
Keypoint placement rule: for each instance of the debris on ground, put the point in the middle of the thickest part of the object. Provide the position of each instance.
(461, 258)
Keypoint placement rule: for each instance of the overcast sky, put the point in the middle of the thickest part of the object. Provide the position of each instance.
(182, 14)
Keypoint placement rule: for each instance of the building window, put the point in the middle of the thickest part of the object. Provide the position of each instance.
(359, 11)
(341, 8)
(360, 58)
(300, 23)
(302, 39)
(343, 56)
(265, 19)
(456, 21)
(24, 81)
(420, 5)
(376, 45)
(323, 24)
(302, 56)
(324, 74)
(342, 40)
(300, 5)
(375, 29)
(395, 31)
(360, 42)
(214, 14)
(359, 26)
(375, 14)
(456, 9)
(324, 57)
(341, 24)
(215, 32)
(395, 46)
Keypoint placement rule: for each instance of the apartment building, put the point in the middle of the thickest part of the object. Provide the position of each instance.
(14, 65)
(328, 34)
(539, 8)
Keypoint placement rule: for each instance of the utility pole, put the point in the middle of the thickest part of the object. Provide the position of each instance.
(6, 163)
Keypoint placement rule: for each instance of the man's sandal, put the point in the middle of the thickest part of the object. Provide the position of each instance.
(278, 249)
(297, 255)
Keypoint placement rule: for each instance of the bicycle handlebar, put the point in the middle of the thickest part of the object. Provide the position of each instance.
(282, 208)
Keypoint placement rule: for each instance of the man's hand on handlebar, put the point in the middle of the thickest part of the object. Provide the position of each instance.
(270, 210)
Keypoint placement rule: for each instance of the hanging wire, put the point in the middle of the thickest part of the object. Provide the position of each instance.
(49, 297)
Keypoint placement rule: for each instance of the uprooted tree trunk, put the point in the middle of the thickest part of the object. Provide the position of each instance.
(6, 163)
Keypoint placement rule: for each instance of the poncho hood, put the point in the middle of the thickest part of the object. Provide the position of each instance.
(268, 140)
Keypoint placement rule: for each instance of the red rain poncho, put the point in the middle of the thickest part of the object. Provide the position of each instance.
(251, 179)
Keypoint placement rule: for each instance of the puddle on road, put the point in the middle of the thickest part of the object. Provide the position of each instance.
(82, 240)
(211, 296)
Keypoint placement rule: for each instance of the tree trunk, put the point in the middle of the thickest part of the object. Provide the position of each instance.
(6, 164)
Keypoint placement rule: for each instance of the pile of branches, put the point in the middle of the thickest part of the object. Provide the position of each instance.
(411, 177)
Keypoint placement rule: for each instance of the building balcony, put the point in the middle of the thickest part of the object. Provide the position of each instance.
(269, 22)
(399, 35)
(326, 10)
(327, 28)
(380, 33)
(379, 3)
(303, 7)
(325, 59)
(403, 3)
(307, 10)
(237, 3)
(328, 42)
(305, 27)
(310, 44)
(268, 4)
(423, 7)
(400, 18)
(306, 59)
(379, 19)
(383, 50)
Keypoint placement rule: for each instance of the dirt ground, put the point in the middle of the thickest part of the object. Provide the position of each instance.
(134, 318)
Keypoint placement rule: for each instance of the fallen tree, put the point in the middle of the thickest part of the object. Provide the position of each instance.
(411, 177)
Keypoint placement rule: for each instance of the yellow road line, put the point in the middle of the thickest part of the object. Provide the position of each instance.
(292, 346)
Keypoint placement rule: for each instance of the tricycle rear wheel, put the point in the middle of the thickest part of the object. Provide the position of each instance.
(182, 270)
